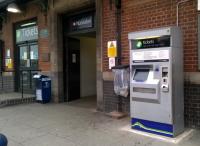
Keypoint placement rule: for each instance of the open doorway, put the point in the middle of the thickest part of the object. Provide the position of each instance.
(80, 57)
(80, 69)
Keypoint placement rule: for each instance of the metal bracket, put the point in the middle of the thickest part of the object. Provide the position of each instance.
(44, 5)
(117, 4)
(3, 16)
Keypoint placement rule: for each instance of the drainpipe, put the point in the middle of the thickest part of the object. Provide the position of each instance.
(119, 47)
(118, 30)
(177, 10)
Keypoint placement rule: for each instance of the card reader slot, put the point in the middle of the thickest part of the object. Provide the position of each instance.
(144, 90)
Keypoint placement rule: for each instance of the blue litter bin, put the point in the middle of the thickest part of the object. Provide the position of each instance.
(43, 88)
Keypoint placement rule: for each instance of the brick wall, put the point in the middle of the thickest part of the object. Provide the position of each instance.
(6, 84)
(111, 101)
(31, 11)
(192, 106)
(147, 14)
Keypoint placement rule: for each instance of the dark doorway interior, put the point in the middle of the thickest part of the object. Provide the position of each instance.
(72, 69)
(79, 28)
(80, 66)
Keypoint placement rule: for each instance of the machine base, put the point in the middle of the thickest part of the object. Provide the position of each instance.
(152, 127)
(117, 115)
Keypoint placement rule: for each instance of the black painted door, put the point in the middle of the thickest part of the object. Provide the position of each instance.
(28, 64)
(72, 85)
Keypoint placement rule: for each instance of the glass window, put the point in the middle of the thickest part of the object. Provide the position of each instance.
(34, 55)
(24, 56)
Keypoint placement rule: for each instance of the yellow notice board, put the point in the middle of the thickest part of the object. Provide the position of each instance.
(9, 64)
(112, 49)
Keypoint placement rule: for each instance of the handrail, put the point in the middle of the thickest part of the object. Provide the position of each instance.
(22, 83)
(1, 74)
(21, 71)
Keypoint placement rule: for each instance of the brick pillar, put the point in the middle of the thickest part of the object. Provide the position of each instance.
(56, 50)
(99, 48)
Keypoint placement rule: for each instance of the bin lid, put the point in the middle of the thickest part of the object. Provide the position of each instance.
(46, 79)
(121, 67)
(39, 76)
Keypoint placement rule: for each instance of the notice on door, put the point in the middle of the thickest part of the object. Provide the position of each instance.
(25, 56)
(73, 58)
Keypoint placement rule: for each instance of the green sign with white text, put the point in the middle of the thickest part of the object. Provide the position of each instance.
(27, 34)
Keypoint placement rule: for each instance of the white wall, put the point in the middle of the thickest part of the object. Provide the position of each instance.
(88, 66)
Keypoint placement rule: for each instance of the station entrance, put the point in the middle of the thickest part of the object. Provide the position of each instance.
(79, 57)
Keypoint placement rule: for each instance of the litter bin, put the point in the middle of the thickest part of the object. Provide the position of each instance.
(43, 88)
(121, 80)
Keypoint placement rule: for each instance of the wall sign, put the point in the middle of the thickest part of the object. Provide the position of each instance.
(112, 49)
(8, 63)
(27, 34)
(111, 62)
(7, 53)
(44, 33)
(81, 22)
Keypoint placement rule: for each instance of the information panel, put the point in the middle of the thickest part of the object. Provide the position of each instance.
(154, 42)
(150, 55)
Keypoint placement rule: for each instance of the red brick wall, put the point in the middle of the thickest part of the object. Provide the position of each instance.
(31, 11)
(147, 14)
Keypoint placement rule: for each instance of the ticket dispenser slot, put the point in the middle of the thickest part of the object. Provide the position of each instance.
(165, 80)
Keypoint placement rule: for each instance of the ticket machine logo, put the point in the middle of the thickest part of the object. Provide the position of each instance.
(139, 44)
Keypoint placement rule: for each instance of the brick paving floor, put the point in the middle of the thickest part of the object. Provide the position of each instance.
(73, 124)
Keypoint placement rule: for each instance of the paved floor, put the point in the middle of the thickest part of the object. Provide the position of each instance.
(14, 95)
(74, 124)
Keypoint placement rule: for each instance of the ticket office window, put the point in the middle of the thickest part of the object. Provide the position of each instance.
(29, 56)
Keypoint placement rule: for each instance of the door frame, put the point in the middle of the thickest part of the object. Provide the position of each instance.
(16, 50)
(70, 34)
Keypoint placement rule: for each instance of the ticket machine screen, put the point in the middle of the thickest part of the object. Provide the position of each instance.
(141, 75)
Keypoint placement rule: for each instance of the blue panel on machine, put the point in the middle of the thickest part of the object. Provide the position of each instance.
(152, 127)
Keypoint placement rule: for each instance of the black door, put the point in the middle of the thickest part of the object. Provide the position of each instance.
(28, 66)
(72, 69)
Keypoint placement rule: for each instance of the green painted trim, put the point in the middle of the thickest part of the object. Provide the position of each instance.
(151, 129)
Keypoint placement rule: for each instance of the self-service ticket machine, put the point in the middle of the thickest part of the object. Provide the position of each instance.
(156, 81)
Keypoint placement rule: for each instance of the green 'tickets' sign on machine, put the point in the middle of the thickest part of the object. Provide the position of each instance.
(156, 81)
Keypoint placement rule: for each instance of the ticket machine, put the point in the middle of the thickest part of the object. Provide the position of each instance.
(156, 81)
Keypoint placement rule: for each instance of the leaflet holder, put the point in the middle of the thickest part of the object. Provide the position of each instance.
(121, 80)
